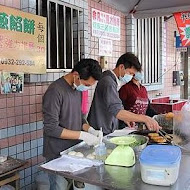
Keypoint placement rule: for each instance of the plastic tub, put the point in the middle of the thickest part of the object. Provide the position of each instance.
(160, 164)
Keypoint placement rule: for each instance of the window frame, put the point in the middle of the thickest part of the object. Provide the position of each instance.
(80, 13)
(146, 27)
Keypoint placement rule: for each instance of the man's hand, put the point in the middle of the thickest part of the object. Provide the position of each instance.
(130, 124)
(89, 138)
(152, 124)
(94, 132)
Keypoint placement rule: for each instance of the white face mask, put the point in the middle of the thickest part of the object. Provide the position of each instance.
(126, 78)
(139, 76)
(80, 87)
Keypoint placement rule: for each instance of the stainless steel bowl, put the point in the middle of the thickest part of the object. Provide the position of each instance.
(142, 140)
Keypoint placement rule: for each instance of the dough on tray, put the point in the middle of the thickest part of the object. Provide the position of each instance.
(72, 153)
(94, 154)
(79, 154)
(90, 156)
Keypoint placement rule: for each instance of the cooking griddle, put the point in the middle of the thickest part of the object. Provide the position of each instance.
(145, 132)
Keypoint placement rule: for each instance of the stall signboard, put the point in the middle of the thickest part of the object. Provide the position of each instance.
(22, 41)
(183, 23)
(105, 25)
(105, 47)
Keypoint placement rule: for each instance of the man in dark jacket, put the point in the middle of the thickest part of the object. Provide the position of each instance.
(107, 107)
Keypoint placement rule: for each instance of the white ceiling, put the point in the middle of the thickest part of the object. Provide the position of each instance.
(150, 8)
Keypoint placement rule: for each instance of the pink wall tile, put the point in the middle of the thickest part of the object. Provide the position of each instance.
(18, 94)
(3, 143)
(40, 133)
(16, 4)
(3, 103)
(18, 110)
(25, 109)
(9, 3)
(33, 135)
(3, 113)
(33, 108)
(2, 2)
(32, 90)
(19, 139)
(11, 112)
(39, 90)
(26, 137)
(19, 120)
(32, 99)
(18, 101)
(10, 102)
(3, 123)
(26, 100)
(44, 88)
(3, 96)
(11, 121)
(33, 117)
(12, 140)
(26, 119)
(39, 107)
(26, 90)
(39, 116)
(38, 99)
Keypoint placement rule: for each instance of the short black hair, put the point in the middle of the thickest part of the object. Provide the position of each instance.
(88, 68)
(129, 60)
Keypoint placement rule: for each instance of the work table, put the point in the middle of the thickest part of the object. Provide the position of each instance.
(123, 178)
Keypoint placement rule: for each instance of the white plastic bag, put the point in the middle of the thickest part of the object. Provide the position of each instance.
(182, 125)
(185, 121)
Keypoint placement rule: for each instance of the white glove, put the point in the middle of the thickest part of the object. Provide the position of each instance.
(94, 132)
(89, 138)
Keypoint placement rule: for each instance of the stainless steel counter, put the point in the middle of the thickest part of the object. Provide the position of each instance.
(114, 177)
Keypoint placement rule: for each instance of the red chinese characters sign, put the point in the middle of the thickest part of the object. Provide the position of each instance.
(183, 23)
(105, 25)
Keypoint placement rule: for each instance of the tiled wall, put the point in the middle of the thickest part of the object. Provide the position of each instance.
(21, 133)
(168, 57)
(21, 122)
(119, 47)
(11, 3)
(169, 66)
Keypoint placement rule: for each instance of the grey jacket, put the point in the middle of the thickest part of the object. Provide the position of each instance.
(106, 104)
(61, 109)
